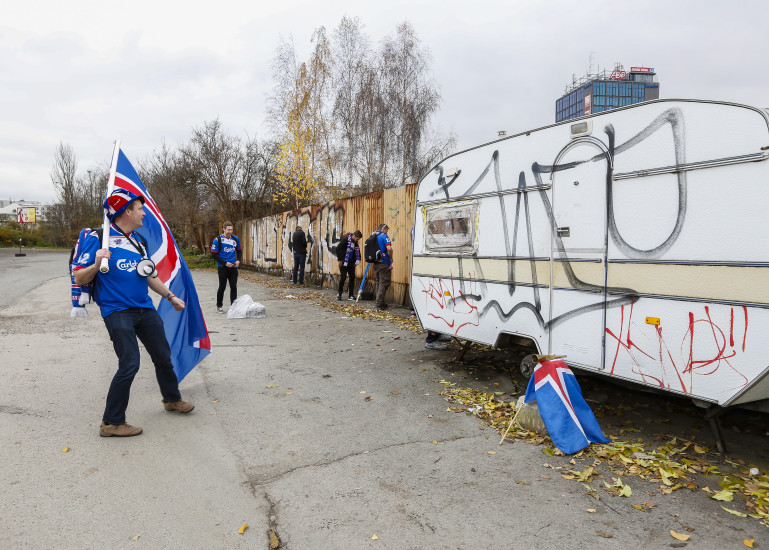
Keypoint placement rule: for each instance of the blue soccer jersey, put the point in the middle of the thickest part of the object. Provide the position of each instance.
(230, 246)
(384, 241)
(121, 287)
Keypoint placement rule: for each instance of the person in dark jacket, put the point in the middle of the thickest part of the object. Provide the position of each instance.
(299, 247)
(348, 254)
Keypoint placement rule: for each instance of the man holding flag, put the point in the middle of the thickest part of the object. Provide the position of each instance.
(174, 335)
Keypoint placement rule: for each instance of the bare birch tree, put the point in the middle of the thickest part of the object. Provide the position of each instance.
(64, 180)
(413, 99)
(351, 59)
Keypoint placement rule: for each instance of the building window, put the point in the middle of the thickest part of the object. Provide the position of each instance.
(451, 227)
(623, 101)
(625, 89)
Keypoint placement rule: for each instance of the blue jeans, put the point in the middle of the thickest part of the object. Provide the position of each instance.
(299, 260)
(123, 328)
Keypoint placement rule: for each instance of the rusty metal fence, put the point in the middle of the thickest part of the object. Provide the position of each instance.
(265, 240)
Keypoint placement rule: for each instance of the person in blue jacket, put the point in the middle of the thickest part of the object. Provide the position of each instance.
(227, 252)
(383, 268)
(127, 310)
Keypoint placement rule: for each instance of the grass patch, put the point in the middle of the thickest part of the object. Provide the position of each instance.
(196, 260)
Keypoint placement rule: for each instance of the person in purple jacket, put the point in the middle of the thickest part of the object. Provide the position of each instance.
(348, 255)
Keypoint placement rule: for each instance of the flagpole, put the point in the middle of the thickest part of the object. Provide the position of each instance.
(519, 406)
(104, 267)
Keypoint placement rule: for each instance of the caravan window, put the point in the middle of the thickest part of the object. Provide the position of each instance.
(451, 227)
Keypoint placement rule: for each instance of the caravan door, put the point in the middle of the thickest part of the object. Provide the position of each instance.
(578, 253)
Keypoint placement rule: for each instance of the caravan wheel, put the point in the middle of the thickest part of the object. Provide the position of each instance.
(527, 366)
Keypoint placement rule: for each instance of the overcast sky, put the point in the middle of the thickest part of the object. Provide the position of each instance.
(87, 73)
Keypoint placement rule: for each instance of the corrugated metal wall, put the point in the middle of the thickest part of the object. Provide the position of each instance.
(265, 240)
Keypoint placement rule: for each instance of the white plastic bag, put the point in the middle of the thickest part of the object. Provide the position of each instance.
(244, 307)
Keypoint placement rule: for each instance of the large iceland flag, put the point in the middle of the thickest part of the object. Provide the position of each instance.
(186, 330)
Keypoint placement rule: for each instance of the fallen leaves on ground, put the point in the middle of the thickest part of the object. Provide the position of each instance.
(619, 488)
(267, 280)
(350, 309)
(753, 488)
(679, 536)
(726, 496)
(671, 465)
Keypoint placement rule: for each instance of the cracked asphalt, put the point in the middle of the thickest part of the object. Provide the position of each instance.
(282, 438)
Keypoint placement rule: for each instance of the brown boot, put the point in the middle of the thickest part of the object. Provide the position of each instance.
(119, 430)
(181, 406)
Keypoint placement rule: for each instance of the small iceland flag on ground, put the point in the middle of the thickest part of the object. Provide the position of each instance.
(569, 421)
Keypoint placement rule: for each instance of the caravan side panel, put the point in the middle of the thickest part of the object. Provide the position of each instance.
(672, 288)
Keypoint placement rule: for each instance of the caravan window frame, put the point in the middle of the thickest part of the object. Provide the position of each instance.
(437, 219)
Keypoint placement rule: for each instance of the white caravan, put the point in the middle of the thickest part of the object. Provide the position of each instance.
(633, 242)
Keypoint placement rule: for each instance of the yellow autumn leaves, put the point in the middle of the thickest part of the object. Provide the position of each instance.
(294, 167)
(672, 465)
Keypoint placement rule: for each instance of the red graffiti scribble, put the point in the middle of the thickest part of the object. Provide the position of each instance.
(731, 328)
(745, 334)
(670, 356)
(720, 340)
(711, 352)
(628, 346)
(455, 308)
(691, 340)
(448, 324)
(720, 357)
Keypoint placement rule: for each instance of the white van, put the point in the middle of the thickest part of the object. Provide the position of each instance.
(635, 242)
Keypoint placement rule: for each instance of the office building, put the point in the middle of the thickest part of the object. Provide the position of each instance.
(595, 93)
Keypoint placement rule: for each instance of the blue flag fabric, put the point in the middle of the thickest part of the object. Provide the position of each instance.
(185, 330)
(568, 418)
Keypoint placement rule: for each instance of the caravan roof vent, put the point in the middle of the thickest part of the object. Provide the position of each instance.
(451, 172)
(579, 129)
